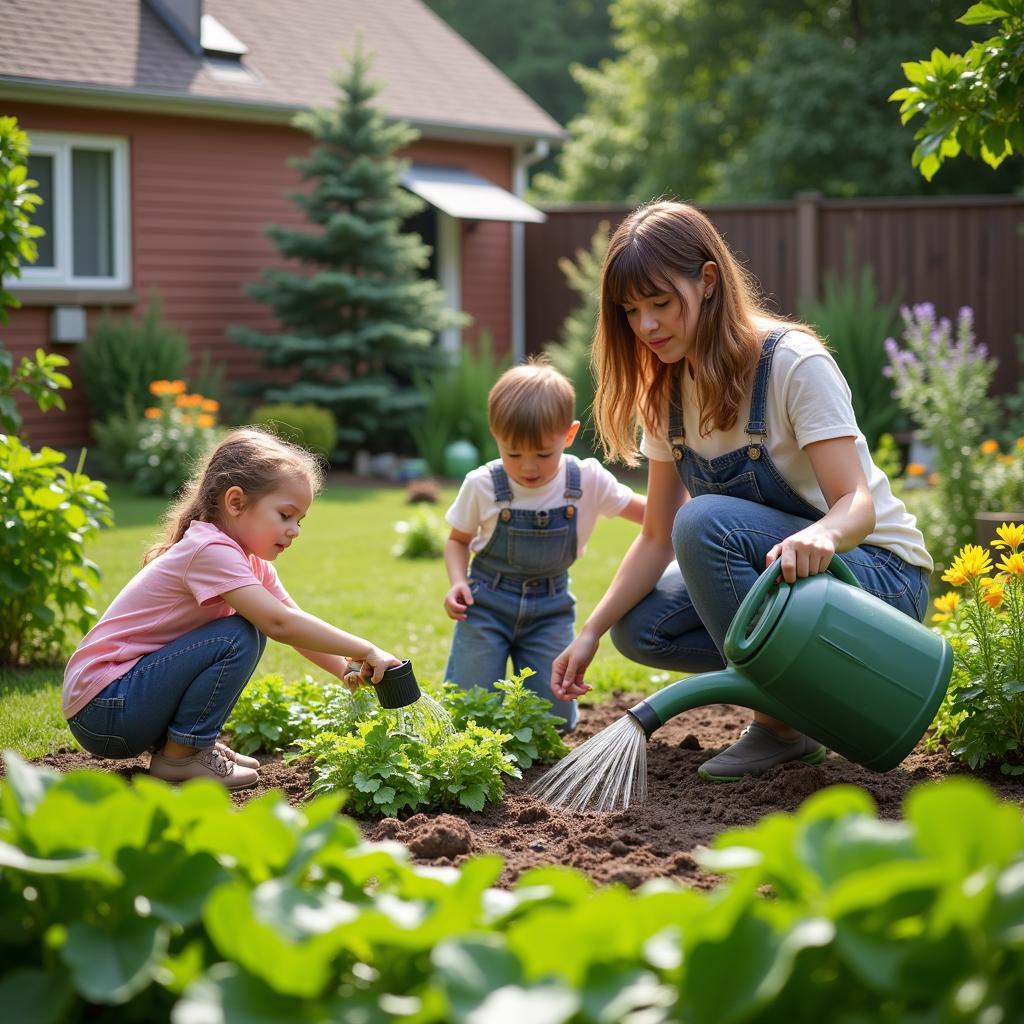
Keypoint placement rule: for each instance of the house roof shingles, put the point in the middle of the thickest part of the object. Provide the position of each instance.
(430, 75)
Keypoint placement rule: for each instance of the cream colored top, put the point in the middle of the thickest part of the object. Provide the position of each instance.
(808, 400)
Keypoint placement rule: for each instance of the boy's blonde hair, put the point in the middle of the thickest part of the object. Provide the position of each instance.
(250, 458)
(531, 402)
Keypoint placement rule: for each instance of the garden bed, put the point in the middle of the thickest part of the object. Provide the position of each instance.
(653, 841)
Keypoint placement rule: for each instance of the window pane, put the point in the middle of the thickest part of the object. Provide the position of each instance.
(92, 213)
(40, 168)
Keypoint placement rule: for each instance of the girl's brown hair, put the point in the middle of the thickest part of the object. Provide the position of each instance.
(657, 243)
(249, 458)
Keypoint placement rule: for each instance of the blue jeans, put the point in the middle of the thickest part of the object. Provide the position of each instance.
(529, 621)
(184, 691)
(720, 545)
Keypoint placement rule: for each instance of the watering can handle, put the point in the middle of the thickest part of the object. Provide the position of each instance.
(737, 644)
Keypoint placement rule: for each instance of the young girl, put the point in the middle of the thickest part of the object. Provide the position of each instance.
(164, 666)
(754, 455)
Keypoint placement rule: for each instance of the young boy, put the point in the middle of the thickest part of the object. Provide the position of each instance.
(526, 517)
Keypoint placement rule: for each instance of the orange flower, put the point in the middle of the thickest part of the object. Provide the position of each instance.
(992, 591)
(989, 447)
(916, 469)
(160, 387)
(1020, 442)
(933, 479)
(153, 413)
(204, 421)
(178, 387)
(211, 405)
(186, 420)
(181, 401)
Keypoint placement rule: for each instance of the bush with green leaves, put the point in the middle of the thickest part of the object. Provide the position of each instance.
(422, 535)
(455, 403)
(310, 426)
(854, 323)
(514, 710)
(18, 202)
(49, 513)
(141, 901)
(570, 354)
(39, 378)
(383, 771)
(123, 356)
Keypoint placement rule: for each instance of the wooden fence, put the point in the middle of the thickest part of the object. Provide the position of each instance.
(952, 252)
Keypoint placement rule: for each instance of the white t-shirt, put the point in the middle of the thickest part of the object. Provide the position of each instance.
(475, 510)
(808, 400)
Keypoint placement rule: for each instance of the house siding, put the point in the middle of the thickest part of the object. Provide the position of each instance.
(201, 193)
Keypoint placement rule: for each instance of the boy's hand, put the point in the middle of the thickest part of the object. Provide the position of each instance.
(457, 600)
(569, 667)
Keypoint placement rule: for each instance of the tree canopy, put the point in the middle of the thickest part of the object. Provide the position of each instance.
(733, 99)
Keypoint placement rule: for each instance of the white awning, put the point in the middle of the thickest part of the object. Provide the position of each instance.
(465, 195)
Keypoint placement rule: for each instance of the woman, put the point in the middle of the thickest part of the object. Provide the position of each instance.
(754, 455)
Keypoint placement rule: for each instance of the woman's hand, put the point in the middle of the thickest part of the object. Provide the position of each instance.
(457, 600)
(370, 669)
(569, 667)
(806, 553)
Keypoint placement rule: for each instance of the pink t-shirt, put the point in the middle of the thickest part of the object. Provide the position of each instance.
(172, 595)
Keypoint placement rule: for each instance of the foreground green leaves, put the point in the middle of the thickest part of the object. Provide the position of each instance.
(174, 904)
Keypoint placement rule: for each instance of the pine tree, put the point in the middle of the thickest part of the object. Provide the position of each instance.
(358, 321)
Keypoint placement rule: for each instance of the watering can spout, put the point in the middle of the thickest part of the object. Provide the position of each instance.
(725, 687)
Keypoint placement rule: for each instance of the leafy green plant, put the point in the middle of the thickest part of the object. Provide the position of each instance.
(970, 102)
(982, 716)
(422, 535)
(513, 710)
(49, 513)
(455, 403)
(854, 322)
(41, 379)
(384, 771)
(139, 901)
(570, 354)
(123, 356)
(311, 426)
(17, 204)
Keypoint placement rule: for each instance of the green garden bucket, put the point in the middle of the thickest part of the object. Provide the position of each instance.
(827, 658)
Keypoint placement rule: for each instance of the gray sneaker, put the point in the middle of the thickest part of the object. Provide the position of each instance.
(233, 755)
(757, 750)
(208, 763)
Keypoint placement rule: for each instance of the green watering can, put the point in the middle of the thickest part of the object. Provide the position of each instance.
(828, 659)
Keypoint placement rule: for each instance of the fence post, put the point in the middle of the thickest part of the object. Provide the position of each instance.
(807, 245)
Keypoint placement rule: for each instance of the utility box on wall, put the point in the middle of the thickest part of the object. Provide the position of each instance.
(67, 324)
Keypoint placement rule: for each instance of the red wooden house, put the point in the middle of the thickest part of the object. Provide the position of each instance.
(161, 131)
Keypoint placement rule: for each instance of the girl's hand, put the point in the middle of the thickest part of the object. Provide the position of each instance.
(806, 553)
(457, 600)
(569, 667)
(371, 669)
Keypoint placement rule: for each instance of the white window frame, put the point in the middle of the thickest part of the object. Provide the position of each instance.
(59, 146)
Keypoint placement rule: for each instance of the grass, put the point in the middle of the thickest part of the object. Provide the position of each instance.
(342, 570)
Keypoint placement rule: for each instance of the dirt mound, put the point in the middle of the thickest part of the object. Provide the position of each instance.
(654, 841)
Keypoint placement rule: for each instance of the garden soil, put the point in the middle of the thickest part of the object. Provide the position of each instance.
(657, 840)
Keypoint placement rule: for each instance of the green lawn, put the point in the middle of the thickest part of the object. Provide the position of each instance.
(342, 569)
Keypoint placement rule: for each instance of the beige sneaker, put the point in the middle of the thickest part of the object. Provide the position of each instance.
(233, 755)
(208, 763)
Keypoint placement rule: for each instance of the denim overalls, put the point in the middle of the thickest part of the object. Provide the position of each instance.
(740, 507)
(522, 606)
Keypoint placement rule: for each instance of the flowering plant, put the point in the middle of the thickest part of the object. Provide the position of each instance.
(983, 714)
(175, 434)
(1002, 476)
(942, 381)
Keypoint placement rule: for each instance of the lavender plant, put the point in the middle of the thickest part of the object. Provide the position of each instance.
(941, 379)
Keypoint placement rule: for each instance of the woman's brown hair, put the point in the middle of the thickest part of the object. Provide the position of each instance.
(654, 245)
(249, 458)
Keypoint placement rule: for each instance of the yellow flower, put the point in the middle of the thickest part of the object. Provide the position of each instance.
(1011, 535)
(948, 602)
(1020, 442)
(973, 561)
(916, 469)
(1013, 564)
(989, 447)
(992, 592)
(204, 421)
(153, 413)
